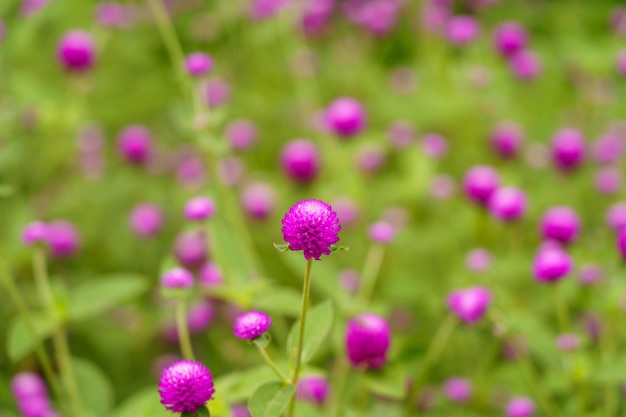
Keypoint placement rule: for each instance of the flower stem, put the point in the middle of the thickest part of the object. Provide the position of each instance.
(305, 304)
(271, 363)
(561, 308)
(183, 331)
(371, 268)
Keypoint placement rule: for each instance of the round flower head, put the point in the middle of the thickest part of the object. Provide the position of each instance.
(35, 407)
(551, 264)
(525, 64)
(76, 51)
(114, 15)
(198, 64)
(368, 337)
(27, 385)
(35, 232)
(300, 159)
(200, 316)
(608, 148)
(506, 139)
(616, 216)
(401, 134)
(349, 280)
(316, 16)
(210, 275)
(508, 204)
(313, 389)
(480, 183)
(62, 238)
(135, 144)
(568, 149)
(458, 390)
(442, 187)
(478, 260)
(312, 227)
(146, 220)
(251, 325)
(590, 274)
(345, 117)
(434, 145)
(382, 232)
(241, 134)
(199, 208)
(185, 386)
(621, 242)
(520, 407)
(216, 92)
(177, 278)
(469, 304)
(608, 180)
(510, 38)
(258, 200)
(370, 158)
(461, 30)
(567, 342)
(347, 210)
(231, 170)
(561, 224)
(190, 248)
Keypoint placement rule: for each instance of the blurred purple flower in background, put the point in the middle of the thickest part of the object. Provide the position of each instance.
(367, 341)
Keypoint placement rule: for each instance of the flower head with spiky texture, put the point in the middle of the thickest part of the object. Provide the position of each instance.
(252, 325)
(185, 386)
(312, 227)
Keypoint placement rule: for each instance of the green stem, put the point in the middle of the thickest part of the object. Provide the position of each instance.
(340, 378)
(305, 304)
(561, 308)
(373, 261)
(271, 363)
(435, 349)
(183, 331)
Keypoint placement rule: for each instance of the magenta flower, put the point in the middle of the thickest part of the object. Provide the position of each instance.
(190, 248)
(313, 389)
(35, 232)
(185, 386)
(616, 216)
(525, 64)
(210, 275)
(300, 159)
(198, 64)
(252, 325)
(520, 407)
(561, 224)
(461, 30)
(28, 385)
(458, 390)
(199, 208)
(146, 219)
(200, 316)
(135, 144)
(368, 337)
(478, 260)
(608, 180)
(76, 51)
(258, 200)
(470, 304)
(480, 183)
(551, 264)
(568, 149)
(506, 139)
(567, 342)
(241, 134)
(382, 232)
(177, 278)
(63, 238)
(312, 227)
(345, 117)
(508, 204)
(347, 210)
(510, 38)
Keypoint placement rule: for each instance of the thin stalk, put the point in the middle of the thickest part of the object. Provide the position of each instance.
(271, 363)
(183, 331)
(369, 275)
(303, 310)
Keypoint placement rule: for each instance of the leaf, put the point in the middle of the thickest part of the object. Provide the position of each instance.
(389, 382)
(279, 301)
(319, 322)
(237, 387)
(270, 400)
(95, 297)
(282, 246)
(145, 403)
(610, 373)
(21, 342)
(94, 388)
(336, 248)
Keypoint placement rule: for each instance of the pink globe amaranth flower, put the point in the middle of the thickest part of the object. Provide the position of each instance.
(590, 274)
(313, 389)
(231, 170)
(216, 92)
(608, 148)
(199, 208)
(241, 134)
(478, 260)
(349, 280)
(561, 224)
(300, 160)
(458, 390)
(568, 149)
(434, 145)
(200, 316)
(265, 9)
(185, 386)
(135, 144)
(462, 30)
(442, 187)
(312, 227)
(506, 139)
(191, 172)
(401, 134)
(621, 242)
(470, 304)
(621, 62)
(35, 407)
(35, 232)
(258, 200)
(376, 16)
(240, 410)
(63, 238)
(368, 337)
(210, 274)
(32, 7)
(520, 407)
(198, 64)
(618, 20)
(608, 180)
(177, 278)
(525, 64)
(616, 216)
(371, 158)
(509, 38)
(146, 219)
(433, 17)
(382, 232)
(480, 183)
(347, 210)
(27, 385)
(252, 325)
(316, 16)
(567, 342)
(76, 51)
(551, 264)
(114, 15)
(345, 117)
(508, 204)
(190, 248)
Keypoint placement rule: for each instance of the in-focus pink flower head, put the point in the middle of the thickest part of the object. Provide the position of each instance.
(382, 232)
(590, 274)
(508, 204)
(210, 275)
(258, 200)
(135, 144)
(252, 325)
(608, 180)
(347, 210)
(371, 158)
(198, 64)
(470, 304)
(621, 62)
(480, 182)
(265, 9)
(27, 385)
(241, 134)
(568, 149)
(520, 407)
(345, 116)
(313, 389)
(442, 187)
(300, 160)
(434, 145)
(35, 232)
(616, 216)
(190, 248)
(76, 51)
(368, 338)
(462, 30)
(561, 224)
(311, 226)
(376, 16)
(458, 390)
(114, 15)
(525, 64)
(506, 139)
(509, 38)
(146, 219)
(478, 260)
(185, 386)
(216, 92)
(199, 208)
(551, 264)
(63, 238)
(401, 134)
(608, 148)
(567, 342)
(177, 278)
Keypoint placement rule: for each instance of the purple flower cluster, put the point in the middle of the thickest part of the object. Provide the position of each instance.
(31, 395)
(60, 236)
(252, 325)
(470, 304)
(368, 338)
(185, 386)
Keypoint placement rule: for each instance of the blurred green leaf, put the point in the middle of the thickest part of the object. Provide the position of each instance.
(20, 341)
(279, 301)
(319, 322)
(145, 403)
(270, 399)
(95, 389)
(389, 382)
